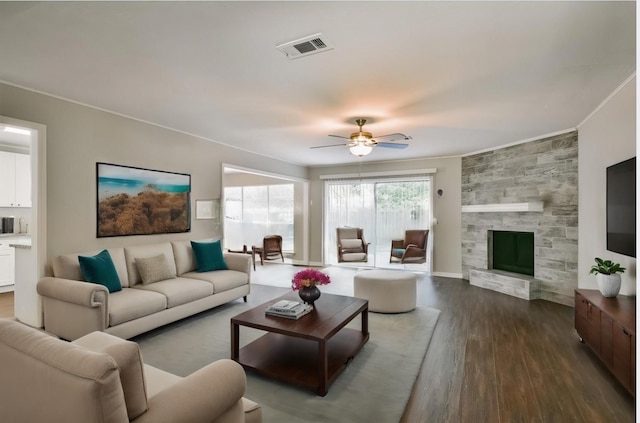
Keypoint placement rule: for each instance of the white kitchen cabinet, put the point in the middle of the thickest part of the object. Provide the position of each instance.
(15, 177)
(23, 180)
(7, 179)
(7, 265)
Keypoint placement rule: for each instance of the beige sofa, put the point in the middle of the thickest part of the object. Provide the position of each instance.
(100, 378)
(73, 308)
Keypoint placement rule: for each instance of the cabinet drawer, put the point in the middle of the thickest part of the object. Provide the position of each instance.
(622, 351)
(593, 329)
(581, 315)
(606, 338)
(7, 266)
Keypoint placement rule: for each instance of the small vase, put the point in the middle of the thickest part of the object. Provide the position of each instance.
(609, 285)
(309, 294)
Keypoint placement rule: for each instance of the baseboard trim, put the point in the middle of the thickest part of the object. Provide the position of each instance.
(321, 264)
(447, 275)
(304, 263)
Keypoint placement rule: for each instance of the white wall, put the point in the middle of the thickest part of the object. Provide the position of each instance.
(79, 136)
(238, 179)
(447, 255)
(606, 137)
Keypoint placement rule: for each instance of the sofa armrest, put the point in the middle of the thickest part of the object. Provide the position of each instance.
(75, 292)
(239, 262)
(202, 396)
(73, 308)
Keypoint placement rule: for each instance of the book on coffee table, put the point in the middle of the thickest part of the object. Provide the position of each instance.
(288, 309)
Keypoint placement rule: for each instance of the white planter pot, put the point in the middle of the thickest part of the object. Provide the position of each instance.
(609, 285)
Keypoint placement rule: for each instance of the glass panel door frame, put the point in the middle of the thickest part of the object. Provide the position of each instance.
(253, 211)
(380, 242)
(301, 210)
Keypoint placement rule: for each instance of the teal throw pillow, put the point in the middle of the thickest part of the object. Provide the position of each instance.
(208, 256)
(100, 269)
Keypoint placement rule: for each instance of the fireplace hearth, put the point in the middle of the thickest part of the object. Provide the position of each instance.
(510, 258)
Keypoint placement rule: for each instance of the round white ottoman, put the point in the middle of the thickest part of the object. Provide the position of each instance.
(388, 291)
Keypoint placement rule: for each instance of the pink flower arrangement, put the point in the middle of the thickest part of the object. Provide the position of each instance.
(309, 277)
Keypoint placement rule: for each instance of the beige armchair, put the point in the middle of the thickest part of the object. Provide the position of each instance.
(351, 244)
(100, 378)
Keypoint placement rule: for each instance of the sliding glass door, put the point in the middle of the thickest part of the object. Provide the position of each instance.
(383, 208)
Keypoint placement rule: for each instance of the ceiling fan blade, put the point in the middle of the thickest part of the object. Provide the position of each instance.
(396, 136)
(397, 145)
(340, 136)
(332, 145)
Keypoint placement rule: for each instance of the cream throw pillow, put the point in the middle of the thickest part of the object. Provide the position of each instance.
(351, 244)
(154, 269)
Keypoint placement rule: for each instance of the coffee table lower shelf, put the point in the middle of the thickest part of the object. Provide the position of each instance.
(297, 360)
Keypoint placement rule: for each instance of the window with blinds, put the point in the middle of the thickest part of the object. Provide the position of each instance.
(251, 212)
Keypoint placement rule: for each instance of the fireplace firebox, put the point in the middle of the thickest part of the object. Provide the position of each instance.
(511, 251)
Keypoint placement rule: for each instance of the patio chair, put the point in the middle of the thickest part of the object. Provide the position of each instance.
(271, 249)
(413, 248)
(351, 245)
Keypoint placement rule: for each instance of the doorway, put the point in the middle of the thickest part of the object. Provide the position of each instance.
(30, 260)
(257, 203)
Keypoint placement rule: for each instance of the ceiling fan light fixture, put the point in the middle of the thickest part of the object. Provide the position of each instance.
(361, 142)
(360, 149)
(361, 136)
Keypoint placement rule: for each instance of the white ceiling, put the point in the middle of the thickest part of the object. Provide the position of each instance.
(458, 77)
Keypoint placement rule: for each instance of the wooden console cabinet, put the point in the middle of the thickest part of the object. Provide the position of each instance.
(608, 327)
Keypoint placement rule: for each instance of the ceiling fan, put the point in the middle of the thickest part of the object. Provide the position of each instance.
(361, 143)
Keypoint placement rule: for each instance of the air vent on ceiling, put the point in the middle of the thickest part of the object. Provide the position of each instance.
(312, 44)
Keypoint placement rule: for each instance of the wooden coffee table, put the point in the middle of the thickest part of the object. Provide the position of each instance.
(311, 351)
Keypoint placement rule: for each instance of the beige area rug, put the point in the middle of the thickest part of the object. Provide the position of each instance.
(374, 387)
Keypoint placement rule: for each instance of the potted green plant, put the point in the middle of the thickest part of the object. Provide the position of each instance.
(607, 276)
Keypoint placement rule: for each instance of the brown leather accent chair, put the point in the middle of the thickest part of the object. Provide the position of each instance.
(271, 249)
(351, 244)
(411, 249)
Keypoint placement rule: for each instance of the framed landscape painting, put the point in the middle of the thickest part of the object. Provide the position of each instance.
(136, 201)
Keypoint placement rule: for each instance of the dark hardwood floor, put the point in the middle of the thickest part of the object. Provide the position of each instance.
(496, 358)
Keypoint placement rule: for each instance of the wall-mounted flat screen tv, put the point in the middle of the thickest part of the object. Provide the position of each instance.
(621, 208)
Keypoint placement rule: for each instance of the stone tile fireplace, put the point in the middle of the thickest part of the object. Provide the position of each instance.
(532, 188)
(510, 258)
